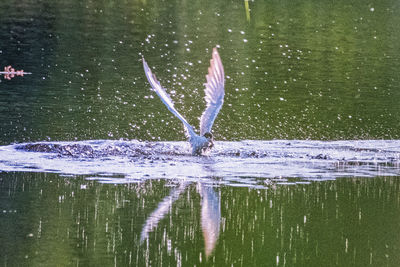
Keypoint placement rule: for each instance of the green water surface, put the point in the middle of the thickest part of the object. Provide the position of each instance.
(322, 70)
(295, 69)
(48, 220)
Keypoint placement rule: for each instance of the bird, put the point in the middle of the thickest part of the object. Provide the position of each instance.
(214, 97)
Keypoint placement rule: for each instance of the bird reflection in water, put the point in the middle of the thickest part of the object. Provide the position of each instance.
(210, 214)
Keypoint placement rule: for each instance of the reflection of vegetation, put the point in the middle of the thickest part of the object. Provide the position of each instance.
(246, 6)
(70, 221)
(305, 69)
(317, 57)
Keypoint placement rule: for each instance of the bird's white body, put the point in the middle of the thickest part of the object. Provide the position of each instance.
(215, 92)
(200, 145)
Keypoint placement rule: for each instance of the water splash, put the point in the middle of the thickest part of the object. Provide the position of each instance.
(255, 164)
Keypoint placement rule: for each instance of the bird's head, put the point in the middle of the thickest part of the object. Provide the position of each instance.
(210, 139)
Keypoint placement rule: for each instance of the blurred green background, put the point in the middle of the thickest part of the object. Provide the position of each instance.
(295, 69)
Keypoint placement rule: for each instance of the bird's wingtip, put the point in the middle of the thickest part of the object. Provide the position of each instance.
(215, 50)
(146, 67)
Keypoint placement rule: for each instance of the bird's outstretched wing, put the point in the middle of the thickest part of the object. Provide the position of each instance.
(155, 84)
(214, 92)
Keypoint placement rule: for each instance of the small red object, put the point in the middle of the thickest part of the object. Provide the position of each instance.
(9, 72)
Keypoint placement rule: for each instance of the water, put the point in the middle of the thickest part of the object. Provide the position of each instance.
(48, 219)
(253, 164)
(307, 71)
(94, 170)
(152, 203)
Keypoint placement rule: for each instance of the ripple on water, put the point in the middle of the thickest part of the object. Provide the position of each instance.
(256, 164)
